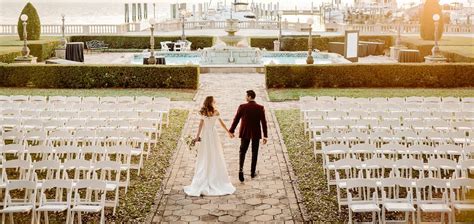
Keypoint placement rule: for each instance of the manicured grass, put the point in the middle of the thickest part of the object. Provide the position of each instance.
(15, 40)
(173, 94)
(295, 94)
(320, 203)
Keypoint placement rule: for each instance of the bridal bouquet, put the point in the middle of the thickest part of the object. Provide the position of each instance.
(191, 142)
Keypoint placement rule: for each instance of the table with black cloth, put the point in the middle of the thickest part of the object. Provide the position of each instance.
(159, 60)
(338, 47)
(75, 51)
(374, 48)
(170, 45)
(408, 55)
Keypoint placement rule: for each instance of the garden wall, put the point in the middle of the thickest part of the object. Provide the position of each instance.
(371, 75)
(99, 76)
(143, 42)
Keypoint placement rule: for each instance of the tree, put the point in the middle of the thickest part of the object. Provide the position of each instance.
(33, 27)
(427, 27)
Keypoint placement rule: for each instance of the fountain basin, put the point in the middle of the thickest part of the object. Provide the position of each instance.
(230, 55)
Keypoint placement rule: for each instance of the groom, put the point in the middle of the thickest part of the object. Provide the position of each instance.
(252, 115)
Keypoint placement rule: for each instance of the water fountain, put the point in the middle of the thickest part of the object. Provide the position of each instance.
(230, 52)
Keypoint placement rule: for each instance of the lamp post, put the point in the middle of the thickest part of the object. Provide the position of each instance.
(182, 14)
(280, 14)
(25, 51)
(63, 31)
(154, 11)
(398, 41)
(152, 59)
(310, 59)
(435, 51)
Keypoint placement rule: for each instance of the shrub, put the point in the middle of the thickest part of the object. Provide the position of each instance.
(300, 43)
(33, 27)
(99, 76)
(9, 57)
(427, 26)
(43, 51)
(143, 42)
(370, 75)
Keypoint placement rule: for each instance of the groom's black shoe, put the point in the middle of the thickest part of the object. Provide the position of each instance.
(241, 176)
(253, 175)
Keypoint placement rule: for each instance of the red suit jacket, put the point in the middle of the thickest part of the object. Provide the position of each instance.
(252, 115)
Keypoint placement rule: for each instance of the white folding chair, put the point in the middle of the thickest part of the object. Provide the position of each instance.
(362, 197)
(55, 202)
(397, 196)
(76, 169)
(442, 168)
(459, 202)
(20, 197)
(45, 170)
(122, 155)
(109, 172)
(428, 192)
(84, 202)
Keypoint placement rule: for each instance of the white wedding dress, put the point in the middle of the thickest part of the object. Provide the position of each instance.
(210, 174)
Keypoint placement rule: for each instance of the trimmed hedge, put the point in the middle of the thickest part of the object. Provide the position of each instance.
(43, 51)
(33, 26)
(99, 76)
(300, 43)
(370, 75)
(9, 57)
(143, 42)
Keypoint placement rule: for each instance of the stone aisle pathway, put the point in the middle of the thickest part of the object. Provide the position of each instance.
(268, 198)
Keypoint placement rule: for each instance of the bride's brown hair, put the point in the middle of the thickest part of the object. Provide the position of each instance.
(207, 108)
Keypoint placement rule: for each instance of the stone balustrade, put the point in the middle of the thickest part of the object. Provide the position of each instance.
(176, 25)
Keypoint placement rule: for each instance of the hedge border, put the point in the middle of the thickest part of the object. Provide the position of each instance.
(371, 75)
(143, 42)
(300, 43)
(99, 76)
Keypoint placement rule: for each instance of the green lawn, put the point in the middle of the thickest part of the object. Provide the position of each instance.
(320, 203)
(295, 94)
(15, 40)
(173, 94)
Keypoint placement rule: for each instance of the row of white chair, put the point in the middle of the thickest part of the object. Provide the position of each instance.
(85, 99)
(407, 168)
(18, 109)
(398, 137)
(440, 125)
(407, 196)
(411, 107)
(151, 127)
(57, 196)
(410, 99)
(381, 116)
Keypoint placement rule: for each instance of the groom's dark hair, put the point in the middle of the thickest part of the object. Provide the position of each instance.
(251, 94)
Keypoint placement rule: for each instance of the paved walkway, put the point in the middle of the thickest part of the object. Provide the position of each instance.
(269, 197)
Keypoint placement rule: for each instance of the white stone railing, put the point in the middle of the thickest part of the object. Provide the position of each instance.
(176, 25)
(393, 28)
(71, 29)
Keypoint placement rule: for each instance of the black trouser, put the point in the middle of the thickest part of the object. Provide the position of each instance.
(244, 146)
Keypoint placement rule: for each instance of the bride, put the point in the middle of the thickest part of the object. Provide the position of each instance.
(210, 174)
